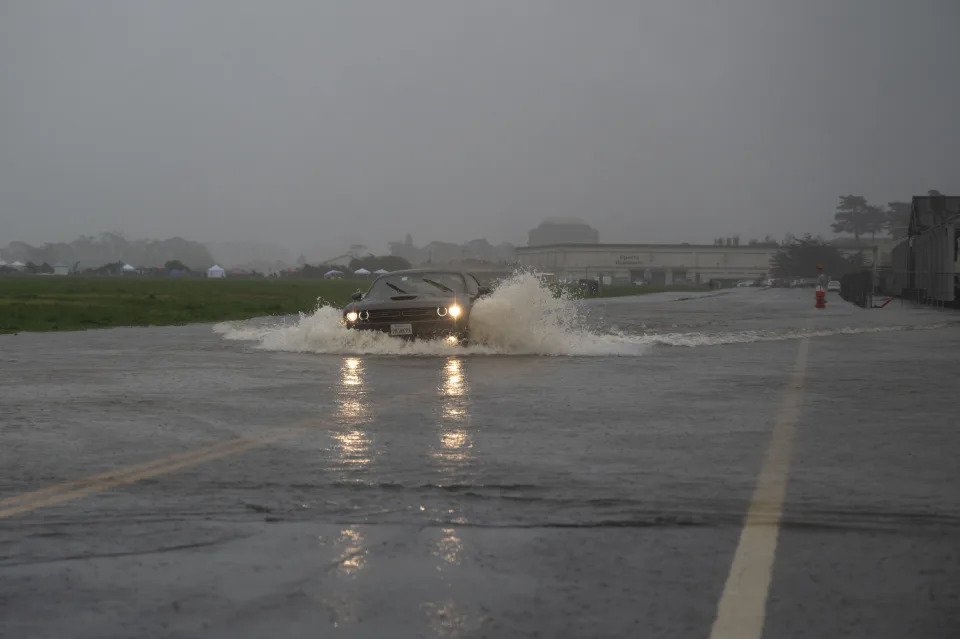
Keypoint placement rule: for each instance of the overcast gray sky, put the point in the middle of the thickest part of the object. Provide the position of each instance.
(320, 122)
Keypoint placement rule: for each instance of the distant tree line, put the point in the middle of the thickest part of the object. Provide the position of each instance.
(370, 262)
(374, 262)
(857, 216)
(108, 248)
(30, 267)
(799, 257)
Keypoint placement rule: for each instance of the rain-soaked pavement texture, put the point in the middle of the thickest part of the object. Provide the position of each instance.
(251, 481)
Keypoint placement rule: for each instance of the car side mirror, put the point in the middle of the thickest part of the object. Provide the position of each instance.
(357, 296)
(484, 290)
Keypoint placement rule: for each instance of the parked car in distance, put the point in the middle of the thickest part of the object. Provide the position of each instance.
(833, 285)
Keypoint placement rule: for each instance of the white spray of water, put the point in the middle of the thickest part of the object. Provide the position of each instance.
(521, 317)
(524, 317)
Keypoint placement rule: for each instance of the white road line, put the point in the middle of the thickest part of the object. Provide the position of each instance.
(742, 607)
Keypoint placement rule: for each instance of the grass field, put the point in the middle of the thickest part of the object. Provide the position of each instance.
(38, 303)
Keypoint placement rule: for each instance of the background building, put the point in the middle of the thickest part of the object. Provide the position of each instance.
(479, 250)
(926, 266)
(563, 231)
(659, 264)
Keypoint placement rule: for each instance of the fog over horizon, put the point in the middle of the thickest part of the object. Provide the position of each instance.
(317, 125)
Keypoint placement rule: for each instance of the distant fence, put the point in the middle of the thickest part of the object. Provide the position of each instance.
(857, 288)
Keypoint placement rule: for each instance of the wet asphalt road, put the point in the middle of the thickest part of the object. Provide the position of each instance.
(207, 488)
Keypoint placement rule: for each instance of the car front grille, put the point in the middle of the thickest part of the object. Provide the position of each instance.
(406, 313)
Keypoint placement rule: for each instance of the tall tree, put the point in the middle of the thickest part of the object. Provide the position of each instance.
(876, 217)
(855, 215)
(175, 265)
(897, 219)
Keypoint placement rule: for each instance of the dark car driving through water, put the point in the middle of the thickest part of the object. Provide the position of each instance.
(417, 303)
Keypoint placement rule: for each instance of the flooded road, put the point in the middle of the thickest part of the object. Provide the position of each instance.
(679, 465)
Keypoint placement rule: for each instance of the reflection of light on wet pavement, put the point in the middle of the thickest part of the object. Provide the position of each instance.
(453, 385)
(352, 411)
(351, 394)
(354, 555)
(446, 619)
(354, 447)
(455, 447)
(350, 372)
(455, 441)
(449, 547)
(454, 413)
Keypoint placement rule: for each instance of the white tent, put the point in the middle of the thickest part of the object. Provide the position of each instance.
(18, 265)
(381, 271)
(361, 271)
(128, 268)
(216, 271)
(332, 273)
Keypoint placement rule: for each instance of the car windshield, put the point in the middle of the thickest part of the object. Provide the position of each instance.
(412, 285)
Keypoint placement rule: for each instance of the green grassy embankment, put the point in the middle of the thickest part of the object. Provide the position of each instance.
(50, 303)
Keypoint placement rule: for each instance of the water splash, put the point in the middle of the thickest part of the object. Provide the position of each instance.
(521, 317)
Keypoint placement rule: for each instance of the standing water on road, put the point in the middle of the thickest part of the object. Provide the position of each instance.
(525, 317)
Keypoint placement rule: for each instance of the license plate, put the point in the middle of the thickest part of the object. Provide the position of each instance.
(401, 329)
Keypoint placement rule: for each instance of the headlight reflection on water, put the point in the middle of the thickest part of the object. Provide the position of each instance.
(454, 408)
(352, 442)
(452, 378)
(447, 619)
(354, 555)
(449, 547)
(354, 447)
(350, 372)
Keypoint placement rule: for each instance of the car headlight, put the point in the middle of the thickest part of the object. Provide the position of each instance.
(352, 316)
(454, 311)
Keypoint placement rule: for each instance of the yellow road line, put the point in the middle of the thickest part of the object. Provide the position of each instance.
(113, 474)
(75, 489)
(741, 611)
